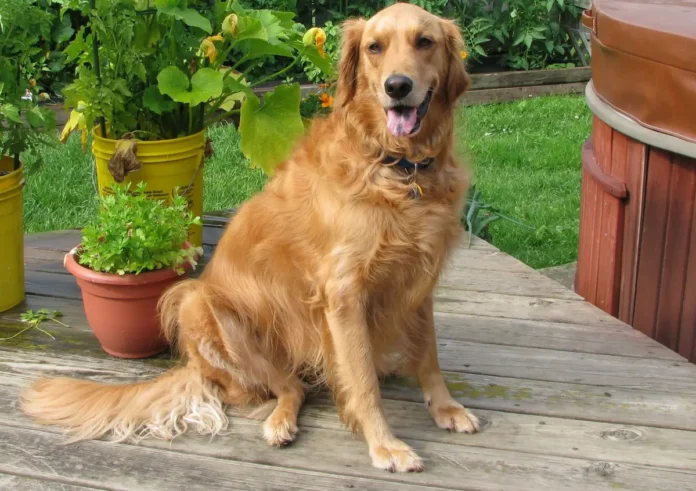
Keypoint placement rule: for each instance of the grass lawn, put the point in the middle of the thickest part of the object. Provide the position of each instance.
(525, 156)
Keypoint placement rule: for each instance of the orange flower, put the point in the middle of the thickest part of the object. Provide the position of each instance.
(326, 100)
(208, 48)
(317, 36)
(463, 54)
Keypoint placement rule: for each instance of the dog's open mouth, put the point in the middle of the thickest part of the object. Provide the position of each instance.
(406, 120)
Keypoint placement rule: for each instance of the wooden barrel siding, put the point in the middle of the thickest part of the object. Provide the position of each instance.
(637, 249)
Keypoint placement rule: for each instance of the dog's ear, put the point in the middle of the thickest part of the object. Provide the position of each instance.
(457, 81)
(346, 86)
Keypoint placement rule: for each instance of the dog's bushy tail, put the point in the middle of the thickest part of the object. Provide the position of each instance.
(161, 408)
(164, 407)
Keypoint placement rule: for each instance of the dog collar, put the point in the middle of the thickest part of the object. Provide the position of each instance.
(406, 165)
(410, 168)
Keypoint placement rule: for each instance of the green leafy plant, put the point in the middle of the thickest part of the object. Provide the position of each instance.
(478, 216)
(133, 234)
(163, 69)
(23, 124)
(35, 318)
(525, 34)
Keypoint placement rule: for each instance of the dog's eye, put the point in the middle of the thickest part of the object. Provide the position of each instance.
(424, 43)
(375, 48)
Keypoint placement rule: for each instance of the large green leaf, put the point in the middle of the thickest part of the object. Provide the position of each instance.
(155, 101)
(250, 28)
(257, 48)
(173, 82)
(205, 84)
(188, 16)
(62, 29)
(322, 63)
(287, 19)
(237, 88)
(35, 117)
(270, 131)
(11, 113)
(275, 32)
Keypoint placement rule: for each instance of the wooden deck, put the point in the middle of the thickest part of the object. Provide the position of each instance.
(572, 399)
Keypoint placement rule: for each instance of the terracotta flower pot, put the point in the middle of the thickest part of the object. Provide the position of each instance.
(122, 310)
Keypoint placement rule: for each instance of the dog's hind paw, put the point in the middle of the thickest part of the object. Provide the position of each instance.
(396, 457)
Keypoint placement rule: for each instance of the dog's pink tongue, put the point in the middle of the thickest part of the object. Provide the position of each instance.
(401, 123)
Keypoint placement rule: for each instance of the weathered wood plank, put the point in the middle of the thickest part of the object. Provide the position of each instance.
(607, 340)
(533, 434)
(564, 366)
(472, 270)
(488, 259)
(323, 451)
(461, 279)
(59, 240)
(492, 96)
(526, 78)
(51, 285)
(130, 467)
(509, 431)
(487, 304)
(24, 483)
(564, 400)
(610, 340)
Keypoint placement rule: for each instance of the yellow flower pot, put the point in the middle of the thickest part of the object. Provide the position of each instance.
(167, 164)
(11, 235)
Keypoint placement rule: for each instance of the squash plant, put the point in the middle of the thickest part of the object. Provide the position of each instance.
(164, 69)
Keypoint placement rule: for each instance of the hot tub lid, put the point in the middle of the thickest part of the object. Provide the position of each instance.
(644, 61)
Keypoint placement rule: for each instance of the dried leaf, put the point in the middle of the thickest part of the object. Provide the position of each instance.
(125, 159)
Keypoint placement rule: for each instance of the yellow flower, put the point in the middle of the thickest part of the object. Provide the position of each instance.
(317, 36)
(229, 25)
(208, 49)
(326, 99)
(463, 54)
(32, 82)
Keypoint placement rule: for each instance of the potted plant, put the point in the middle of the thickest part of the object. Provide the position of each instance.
(133, 251)
(152, 75)
(23, 125)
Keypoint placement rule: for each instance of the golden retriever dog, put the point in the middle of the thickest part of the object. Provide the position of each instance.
(327, 276)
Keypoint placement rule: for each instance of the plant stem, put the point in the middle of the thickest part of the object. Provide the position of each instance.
(16, 334)
(223, 116)
(97, 68)
(59, 322)
(19, 78)
(276, 74)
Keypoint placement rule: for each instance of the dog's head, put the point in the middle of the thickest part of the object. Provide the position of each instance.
(403, 68)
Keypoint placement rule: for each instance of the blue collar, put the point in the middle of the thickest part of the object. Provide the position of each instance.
(406, 165)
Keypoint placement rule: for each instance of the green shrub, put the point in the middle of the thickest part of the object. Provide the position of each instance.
(23, 124)
(133, 234)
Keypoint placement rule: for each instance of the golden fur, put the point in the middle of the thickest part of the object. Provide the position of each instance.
(325, 276)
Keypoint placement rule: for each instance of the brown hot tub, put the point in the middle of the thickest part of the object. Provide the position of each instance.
(637, 250)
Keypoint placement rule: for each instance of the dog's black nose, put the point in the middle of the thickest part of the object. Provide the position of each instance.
(398, 86)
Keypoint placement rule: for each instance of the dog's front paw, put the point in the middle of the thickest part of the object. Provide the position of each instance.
(279, 430)
(396, 456)
(452, 416)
